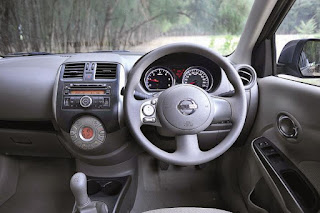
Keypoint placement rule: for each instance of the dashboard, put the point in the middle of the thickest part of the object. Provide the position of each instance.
(181, 68)
(72, 104)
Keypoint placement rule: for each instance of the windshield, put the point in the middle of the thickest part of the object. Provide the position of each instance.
(60, 26)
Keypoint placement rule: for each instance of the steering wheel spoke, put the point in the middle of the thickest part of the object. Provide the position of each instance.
(148, 112)
(187, 146)
(223, 109)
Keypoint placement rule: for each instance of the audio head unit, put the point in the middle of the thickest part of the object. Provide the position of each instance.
(76, 95)
(93, 96)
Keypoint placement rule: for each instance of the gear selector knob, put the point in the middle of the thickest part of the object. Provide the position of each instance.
(78, 185)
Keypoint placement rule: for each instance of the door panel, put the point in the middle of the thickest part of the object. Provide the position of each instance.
(301, 103)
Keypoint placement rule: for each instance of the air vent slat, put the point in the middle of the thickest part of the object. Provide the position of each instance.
(74, 70)
(106, 71)
(246, 76)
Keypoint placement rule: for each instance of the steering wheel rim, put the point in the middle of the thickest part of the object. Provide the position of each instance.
(188, 151)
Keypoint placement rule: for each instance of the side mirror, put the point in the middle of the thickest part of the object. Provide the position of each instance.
(300, 58)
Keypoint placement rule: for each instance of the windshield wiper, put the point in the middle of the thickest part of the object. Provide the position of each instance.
(17, 54)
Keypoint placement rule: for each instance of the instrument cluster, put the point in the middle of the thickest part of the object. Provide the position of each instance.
(159, 78)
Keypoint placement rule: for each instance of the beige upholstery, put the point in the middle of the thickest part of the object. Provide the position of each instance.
(187, 210)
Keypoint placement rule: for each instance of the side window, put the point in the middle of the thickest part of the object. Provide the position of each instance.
(298, 43)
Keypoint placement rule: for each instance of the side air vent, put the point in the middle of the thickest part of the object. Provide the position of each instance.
(106, 71)
(247, 75)
(74, 70)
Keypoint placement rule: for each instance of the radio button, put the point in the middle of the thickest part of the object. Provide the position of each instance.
(66, 102)
(95, 100)
(86, 101)
(106, 102)
(100, 100)
(72, 100)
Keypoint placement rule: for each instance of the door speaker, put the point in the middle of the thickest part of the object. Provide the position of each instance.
(287, 126)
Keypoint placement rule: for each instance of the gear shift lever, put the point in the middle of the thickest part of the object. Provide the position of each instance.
(78, 185)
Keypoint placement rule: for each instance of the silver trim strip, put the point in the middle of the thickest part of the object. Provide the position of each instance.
(55, 93)
(122, 82)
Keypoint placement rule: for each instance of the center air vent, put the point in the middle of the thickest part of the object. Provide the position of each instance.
(74, 70)
(106, 71)
(247, 75)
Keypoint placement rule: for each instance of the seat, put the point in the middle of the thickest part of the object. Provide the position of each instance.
(187, 210)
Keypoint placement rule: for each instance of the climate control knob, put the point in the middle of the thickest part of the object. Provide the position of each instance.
(88, 133)
(86, 101)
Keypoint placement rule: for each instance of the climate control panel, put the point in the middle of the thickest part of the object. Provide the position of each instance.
(87, 133)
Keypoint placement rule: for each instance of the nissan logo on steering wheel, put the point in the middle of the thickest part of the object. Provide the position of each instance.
(187, 107)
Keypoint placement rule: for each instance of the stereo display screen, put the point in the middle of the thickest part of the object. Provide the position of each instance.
(87, 92)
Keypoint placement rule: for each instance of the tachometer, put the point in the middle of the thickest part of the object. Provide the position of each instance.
(158, 78)
(198, 76)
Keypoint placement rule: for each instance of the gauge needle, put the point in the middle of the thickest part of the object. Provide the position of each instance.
(154, 80)
(192, 83)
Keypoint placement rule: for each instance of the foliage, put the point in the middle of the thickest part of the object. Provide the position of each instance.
(229, 45)
(231, 14)
(81, 25)
(308, 27)
(224, 44)
(212, 42)
(301, 12)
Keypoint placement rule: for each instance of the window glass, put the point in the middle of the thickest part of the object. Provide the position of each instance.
(60, 26)
(302, 22)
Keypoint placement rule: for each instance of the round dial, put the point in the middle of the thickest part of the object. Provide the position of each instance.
(87, 133)
(198, 76)
(157, 79)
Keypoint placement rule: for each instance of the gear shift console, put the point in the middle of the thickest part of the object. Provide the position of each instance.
(78, 185)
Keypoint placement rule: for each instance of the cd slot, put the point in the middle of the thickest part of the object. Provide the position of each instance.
(93, 86)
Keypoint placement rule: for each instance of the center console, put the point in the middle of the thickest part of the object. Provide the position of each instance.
(88, 103)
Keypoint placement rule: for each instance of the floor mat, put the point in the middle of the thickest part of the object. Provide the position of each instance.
(43, 186)
(176, 187)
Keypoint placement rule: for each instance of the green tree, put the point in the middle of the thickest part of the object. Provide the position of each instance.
(308, 27)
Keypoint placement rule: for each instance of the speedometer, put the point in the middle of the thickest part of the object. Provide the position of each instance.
(158, 78)
(198, 76)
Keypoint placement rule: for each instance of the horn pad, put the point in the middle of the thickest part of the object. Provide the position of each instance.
(185, 109)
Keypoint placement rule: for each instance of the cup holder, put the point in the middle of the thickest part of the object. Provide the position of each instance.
(110, 188)
(93, 187)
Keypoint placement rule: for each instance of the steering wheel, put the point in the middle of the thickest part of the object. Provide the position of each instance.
(185, 110)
